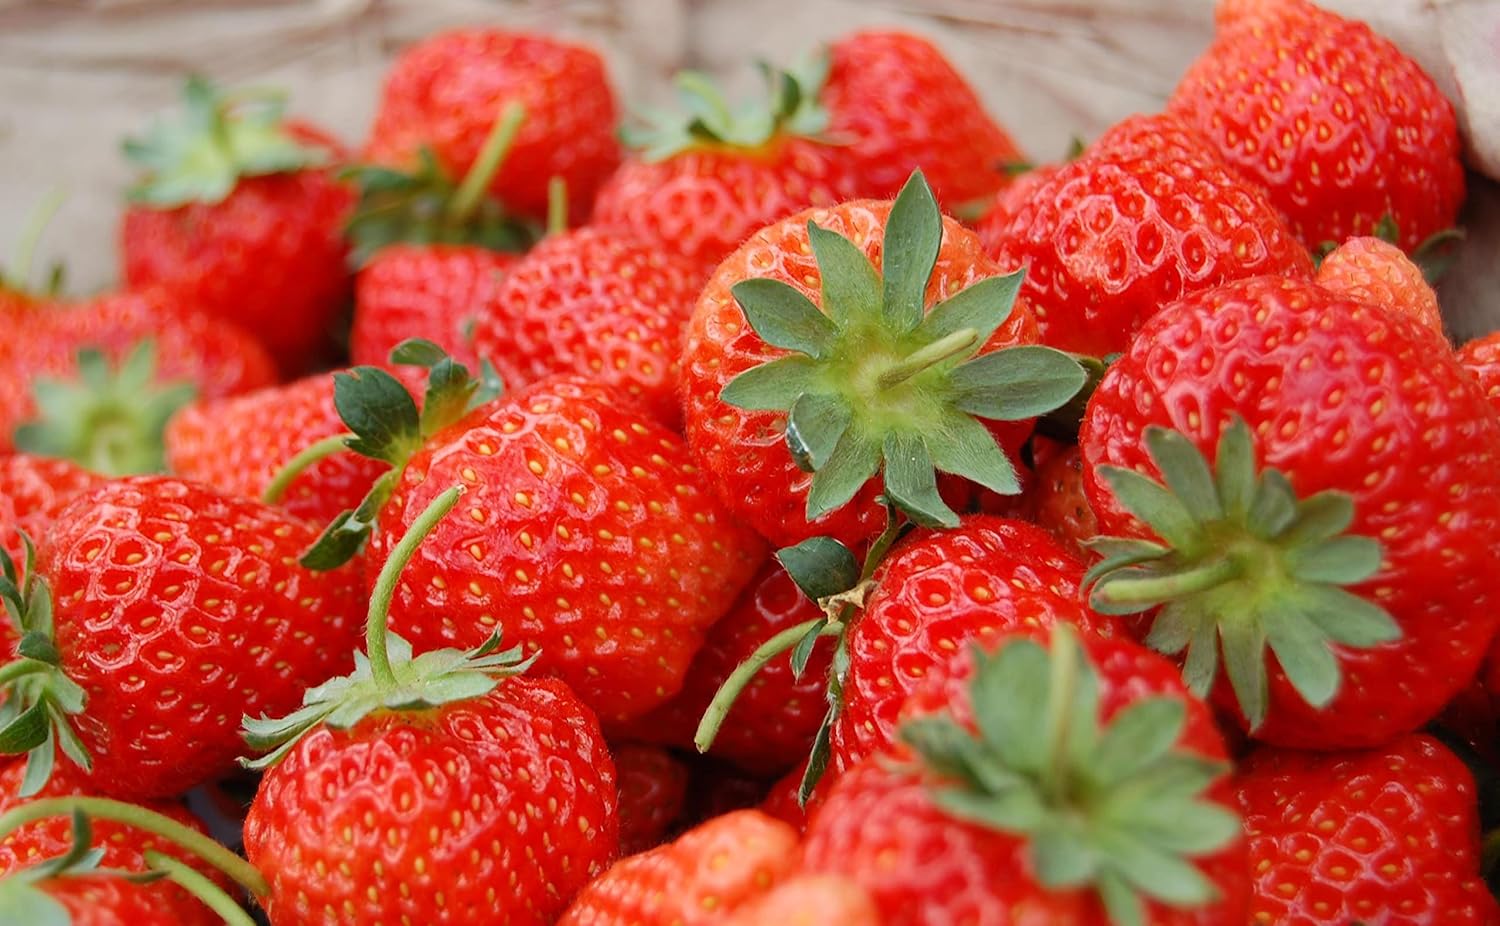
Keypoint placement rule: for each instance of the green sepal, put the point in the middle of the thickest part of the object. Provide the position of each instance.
(913, 235)
(820, 566)
(772, 386)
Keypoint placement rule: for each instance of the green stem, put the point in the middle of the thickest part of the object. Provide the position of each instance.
(729, 692)
(194, 882)
(31, 236)
(390, 574)
(298, 464)
(557, 206)
(21, 668)
(1153, 589)
(1490, 853)
(1062, 689)
(477, 181)
(944, 348)
(190, 840)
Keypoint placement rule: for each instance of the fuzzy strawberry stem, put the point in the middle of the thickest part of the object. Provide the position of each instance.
(496, 145)
(19, 276)
(202, 889)
(190, 840)
(329, 446)
(22, 668)
(1062, 690)
(723, 702)
(557, 206)
(946, 348)
(1157, 588)
(385, 585)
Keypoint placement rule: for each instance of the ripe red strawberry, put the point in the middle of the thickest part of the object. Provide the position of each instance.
(807, 371)
(1055, 498)
(698, 185)
(653, 789)
(1374, 271)
(434, 291)
(239, 217)
(1075, 788)
(809, 900)
(1335, 546)
(1481, 359)
(1147, 213)
(784, 800)
(1339, 125)
(444, 93)
(33, 491)
(695, 881)
(1011, 199)
(1385, 836)
(596, 303)
(902, 106)
(174, 610)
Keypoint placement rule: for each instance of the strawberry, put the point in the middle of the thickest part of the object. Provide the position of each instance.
(807, 371)
(239, 217)
(1064, 785)
(1146, 214)
(1374, 271)
(653, 788)
(1390, 835)
(809, 900)
(596, 303)
(1056, 501)
(1012, 199)
(1481, 360)
(1343, 440)
(902, 106)
(1340, 127)
(158, 611)
(444, 93)
(33, 491)
(698, 185)
(695, 881)
(784, 801)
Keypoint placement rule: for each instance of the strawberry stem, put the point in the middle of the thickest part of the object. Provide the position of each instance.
(202, 889)
(190, 840)
(729, 692)
(1161, 588)
(477, 180)
(36, 224)
(385, 585)
(21, 668)
(945, 348)
(557, 206)
(1062, 690)
(294, 467)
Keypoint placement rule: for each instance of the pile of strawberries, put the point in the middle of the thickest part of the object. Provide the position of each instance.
(1109, 541)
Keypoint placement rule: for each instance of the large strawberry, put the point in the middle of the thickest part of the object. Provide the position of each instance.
(444, 94)
(899, 105)
(1390, 835)
(1073, 788)
(813, 382)
(239, 216)
(33, 491)
(699, 184)
(157, 613)
(1147, 213)
(1310, 486)
(1341, 127)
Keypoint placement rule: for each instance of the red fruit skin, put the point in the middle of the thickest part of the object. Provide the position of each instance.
(432, 291)
(217, 357)
(1386, 836)
(445, 92)
(903, 107)
(179, 611)
(744, 452)
(1055, 499)
(1148, 213)
(94, 900)
(1347, 397)
(704, 202)
(775, 718)
(809, 900)
(879, 826)
(1373, 271)
(495, 809)
(585, 533)
(782, 801)
(33, 490)
(269, 257)
(653, 789)
(595, 303)
(695, 881)
(1011, 199)
(939, 592)
(1480, 358)
(1334, 121)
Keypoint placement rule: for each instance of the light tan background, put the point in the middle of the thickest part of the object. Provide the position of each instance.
(77, 75)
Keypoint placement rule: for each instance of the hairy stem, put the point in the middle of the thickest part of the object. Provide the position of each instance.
(477, 181)
(1152, 589)
(204, 890)
(729, 692)
(944, 348)
(385, 584)
(276, 489)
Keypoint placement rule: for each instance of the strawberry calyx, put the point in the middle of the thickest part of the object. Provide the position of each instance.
(221, 137)
(387, 676)
(1111, 807)
(1242, 564)
(790, 108)
(873, 385)
(111, 422)
(22, 899)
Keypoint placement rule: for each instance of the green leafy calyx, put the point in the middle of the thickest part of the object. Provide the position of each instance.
(1112, 807)
(872, 383)
(1242, 564)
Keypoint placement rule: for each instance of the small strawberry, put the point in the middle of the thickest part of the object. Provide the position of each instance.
(812, 380)
(1310, 485)
(239, 217)
(1147, 213)
(596, 303)
(707, 873)
(902, 106)
(653, 789)
(699, 184)
(1075, 787)
(1056, 501)
(1481, 360)
(1339, 125)
(443, 95)
(1374, 271)
(809, 900)
(1390, 835)
(33, 491)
